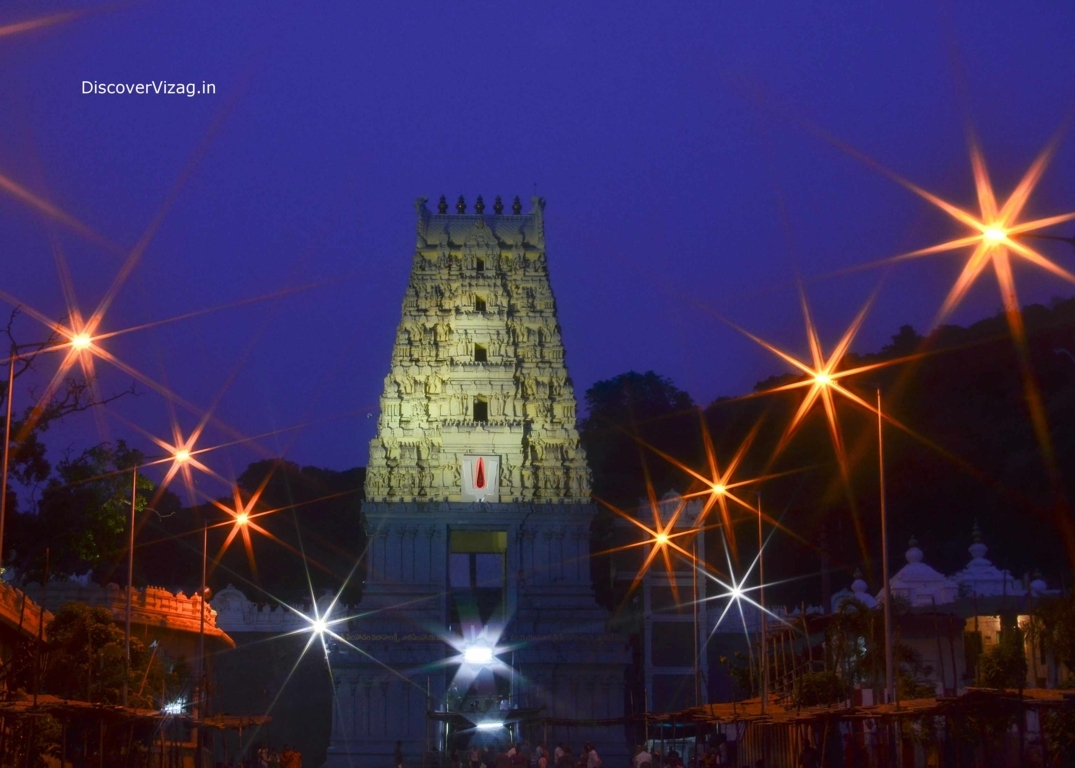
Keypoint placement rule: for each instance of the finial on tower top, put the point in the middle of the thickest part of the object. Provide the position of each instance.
(498, 206)
(442, 206)
(1037, 585)
(977, 548)
(859, 585)
(913, 554)
(479, 206)
(516, 207)
(461, 205)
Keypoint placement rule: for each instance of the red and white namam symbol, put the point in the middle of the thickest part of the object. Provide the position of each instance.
(479, 474)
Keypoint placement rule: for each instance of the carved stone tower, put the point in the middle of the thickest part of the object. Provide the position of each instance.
(478, 608)
(478, 404)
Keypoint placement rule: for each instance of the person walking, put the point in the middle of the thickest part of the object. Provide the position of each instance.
(397, 759)
(566, 759)
(287, 758)
(809, 758)
(593, 760)
(642, 757)
(517, 759)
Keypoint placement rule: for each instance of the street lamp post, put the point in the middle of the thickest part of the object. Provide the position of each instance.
(890, 692)
(130, 586)
(79, 342)
(178, 456)
(764, 665)
(694, 573)
(200, 689)
(7, 447)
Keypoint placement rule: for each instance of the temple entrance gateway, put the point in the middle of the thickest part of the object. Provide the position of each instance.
(478, 610)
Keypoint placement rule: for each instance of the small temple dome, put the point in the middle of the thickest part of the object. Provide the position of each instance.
(1038, 585)
(918, 583)
(859, 587)
(980, 577)
(913, 553)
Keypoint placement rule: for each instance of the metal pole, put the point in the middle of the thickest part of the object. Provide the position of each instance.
(7, 447)
(890, 691)
(694, 574)
(764, 624)
(130, 577)
(201, 603)
(41, 628)
(201, 648)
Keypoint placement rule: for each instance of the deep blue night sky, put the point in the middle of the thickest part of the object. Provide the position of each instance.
(668, 140)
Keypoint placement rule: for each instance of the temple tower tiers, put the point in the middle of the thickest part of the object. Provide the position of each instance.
(478, 390)
(478, 515)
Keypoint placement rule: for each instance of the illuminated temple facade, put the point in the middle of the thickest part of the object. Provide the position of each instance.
(478, 618)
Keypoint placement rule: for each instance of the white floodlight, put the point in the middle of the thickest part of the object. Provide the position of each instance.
(478, 654)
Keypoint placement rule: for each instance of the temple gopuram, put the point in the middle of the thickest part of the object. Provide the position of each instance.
(478, 622)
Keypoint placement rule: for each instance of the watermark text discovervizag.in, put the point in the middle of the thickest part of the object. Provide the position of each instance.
(152, 88)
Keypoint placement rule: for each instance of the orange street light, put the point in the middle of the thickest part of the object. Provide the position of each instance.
(81, 341)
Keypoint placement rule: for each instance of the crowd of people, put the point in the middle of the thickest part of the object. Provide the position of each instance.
(519, 755)
(718, 755)
(267, 758)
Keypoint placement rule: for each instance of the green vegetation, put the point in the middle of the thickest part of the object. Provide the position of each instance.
(973, 454)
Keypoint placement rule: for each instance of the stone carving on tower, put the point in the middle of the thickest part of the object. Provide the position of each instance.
(478, 405)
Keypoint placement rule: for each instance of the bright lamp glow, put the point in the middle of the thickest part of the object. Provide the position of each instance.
(995, 234)
(319, 626)
(174, 708)
(662, 538)
(478, 654)
(81, 341)
(823, 379)
(489, 726)
(241, 518)
(182, 455)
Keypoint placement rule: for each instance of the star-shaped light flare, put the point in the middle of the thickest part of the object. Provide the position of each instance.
(661, 538)
(995, 236)
(21, 27)
(824, 378)
(719, 488)
(241, 519)
(242, 522)
(994, 231)
(737, 593)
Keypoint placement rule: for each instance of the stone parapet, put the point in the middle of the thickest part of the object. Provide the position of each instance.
(150, 606)
(20, 613)
(237, 614)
